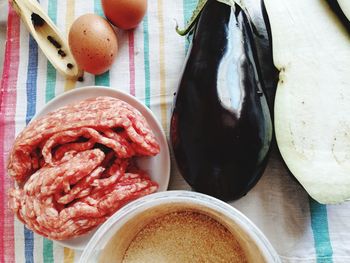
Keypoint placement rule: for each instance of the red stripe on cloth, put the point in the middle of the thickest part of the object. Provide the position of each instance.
(7, 133)
(132, 61)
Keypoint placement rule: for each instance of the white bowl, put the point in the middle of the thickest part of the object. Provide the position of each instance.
(158, 167)
(112, 239)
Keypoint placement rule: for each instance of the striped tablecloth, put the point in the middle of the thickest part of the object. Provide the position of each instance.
(148, 66)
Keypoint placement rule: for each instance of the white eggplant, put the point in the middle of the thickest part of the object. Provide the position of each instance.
(345, 7)
(311, 48)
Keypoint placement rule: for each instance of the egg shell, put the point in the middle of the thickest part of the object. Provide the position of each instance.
(125, 14)
(93, 43)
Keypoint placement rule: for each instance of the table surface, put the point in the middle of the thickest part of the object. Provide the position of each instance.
(148, 66)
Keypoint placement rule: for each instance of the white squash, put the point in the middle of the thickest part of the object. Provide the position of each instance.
(311, 48)
(345, 6)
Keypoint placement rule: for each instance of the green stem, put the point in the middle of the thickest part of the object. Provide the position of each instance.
(193, 19)
(195, 16)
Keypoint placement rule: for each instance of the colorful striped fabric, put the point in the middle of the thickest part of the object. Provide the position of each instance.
(148, 66)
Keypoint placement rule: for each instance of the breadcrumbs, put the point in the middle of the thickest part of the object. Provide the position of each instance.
(182, 237)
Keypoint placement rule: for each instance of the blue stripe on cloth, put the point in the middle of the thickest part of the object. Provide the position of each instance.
(28, 245)
(319, 225)
(146, 62)
(31, 79)
(31, 105)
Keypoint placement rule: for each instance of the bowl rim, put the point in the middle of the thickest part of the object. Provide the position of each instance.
(175, 196)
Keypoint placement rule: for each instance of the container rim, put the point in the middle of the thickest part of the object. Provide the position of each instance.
(176, 196)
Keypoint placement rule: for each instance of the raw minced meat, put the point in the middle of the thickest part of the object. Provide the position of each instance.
(75, 166)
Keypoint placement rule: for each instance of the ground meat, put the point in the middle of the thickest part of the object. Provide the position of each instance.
(75, 166)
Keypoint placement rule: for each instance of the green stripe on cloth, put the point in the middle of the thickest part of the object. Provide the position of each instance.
(319, 225)
(49, 95)
(51, 71)
(98, 8)
(188, 7)
(50, 82)
(103, 79)
(146, 62)
(47, 251)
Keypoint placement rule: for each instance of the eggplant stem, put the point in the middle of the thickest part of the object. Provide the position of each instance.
(190, 24)
(195, 15)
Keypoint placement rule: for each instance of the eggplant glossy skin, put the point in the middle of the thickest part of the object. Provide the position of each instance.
(343, 15)
(221, 127)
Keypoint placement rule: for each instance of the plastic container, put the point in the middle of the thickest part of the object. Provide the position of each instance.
(112, 239)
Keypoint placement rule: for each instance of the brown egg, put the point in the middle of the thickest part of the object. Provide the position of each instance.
(93, 43)
(125, 14)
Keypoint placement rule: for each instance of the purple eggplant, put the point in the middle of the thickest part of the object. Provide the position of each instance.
(221, 128)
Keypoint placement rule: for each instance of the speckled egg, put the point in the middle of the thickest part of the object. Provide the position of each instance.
(93, 43)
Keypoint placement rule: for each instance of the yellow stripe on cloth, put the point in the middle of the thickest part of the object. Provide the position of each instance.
(69, 83)
(163, 94)
(68, 253)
